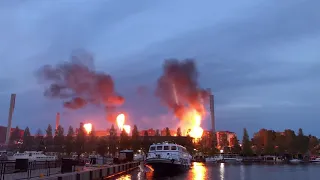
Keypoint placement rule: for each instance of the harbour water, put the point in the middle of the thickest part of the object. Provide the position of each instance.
(201, 171)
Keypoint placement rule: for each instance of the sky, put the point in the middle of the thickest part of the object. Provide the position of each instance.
(260, 58)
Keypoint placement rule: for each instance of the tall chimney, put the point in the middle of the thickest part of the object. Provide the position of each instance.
(11, 109)
(57, 120)
(213, 125)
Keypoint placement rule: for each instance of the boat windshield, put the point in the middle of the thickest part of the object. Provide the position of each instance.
(174, 148)
(152, 148)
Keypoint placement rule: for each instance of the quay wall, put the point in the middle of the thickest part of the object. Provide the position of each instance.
(96, 173)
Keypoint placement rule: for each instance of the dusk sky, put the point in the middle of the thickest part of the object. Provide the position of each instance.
(260, 58)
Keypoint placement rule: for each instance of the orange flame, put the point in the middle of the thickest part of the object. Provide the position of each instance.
(127, 128)
(120, 121)
(192, 120)
(88, 127)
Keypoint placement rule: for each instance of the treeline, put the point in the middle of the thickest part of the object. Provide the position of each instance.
(79, 141)
(264, 142)
(286, 142)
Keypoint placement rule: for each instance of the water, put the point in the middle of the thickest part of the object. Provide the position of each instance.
(201, 171)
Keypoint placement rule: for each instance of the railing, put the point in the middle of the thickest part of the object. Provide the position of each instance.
(10, 170)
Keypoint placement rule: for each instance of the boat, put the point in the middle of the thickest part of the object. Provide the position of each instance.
(315, 160)
(295, 161)
(213, 159)
(224, 158)
(32, 156)
(273, 159)
(168, 157)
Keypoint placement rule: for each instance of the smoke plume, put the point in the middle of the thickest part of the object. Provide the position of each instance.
(78, 84)
(178, 87)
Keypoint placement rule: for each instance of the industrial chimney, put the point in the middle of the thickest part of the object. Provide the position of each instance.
(57, 120)
(213, 125)
(11, 109)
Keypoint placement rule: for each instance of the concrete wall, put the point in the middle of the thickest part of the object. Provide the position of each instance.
(96, 173)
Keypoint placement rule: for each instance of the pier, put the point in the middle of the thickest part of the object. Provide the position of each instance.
(84, 173)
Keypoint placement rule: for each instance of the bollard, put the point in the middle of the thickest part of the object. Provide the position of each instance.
(59, 178)
(100, 173)
(78, 176)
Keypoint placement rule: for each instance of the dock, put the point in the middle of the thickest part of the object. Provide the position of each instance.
(84, 173)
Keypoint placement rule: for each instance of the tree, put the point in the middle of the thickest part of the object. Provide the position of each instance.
(290, 141)
(39, 140)
(49, 137)
(15, 135)
(280, 142)
(168, 132)
(59, 139)
(80, 139)
(157, 132)
(70, 140)
(313, 142)
(124, 140)
(135, 138)
(246, 144)
(269, 138)
(302, 142)
(113, 140)
(146, 141)
(27, 140)
(92, 141)
(235, 145)
(102, 146)
(179, 132)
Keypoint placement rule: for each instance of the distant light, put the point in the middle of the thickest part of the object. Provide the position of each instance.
(221, 151)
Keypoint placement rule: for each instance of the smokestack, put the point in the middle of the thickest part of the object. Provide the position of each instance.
(57, 120)
(213, 125)
(11, 109)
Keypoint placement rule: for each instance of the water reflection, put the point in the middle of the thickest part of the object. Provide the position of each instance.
(221, 171)
(198, 171)
(125, 177)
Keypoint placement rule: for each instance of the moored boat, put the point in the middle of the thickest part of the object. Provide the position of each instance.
(295, 161)
(168, 157)
(315, 160)
(32, 156)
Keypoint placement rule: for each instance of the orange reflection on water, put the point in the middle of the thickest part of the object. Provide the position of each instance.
(198, 171)
(126, 177)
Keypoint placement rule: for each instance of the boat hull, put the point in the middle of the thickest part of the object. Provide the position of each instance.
(167, 166)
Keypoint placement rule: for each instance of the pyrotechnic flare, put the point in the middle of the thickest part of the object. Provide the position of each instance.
(120, 121)
(78, 84)
(127, 129)
(88, 127)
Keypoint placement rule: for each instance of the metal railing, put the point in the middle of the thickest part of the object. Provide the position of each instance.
(9, 170)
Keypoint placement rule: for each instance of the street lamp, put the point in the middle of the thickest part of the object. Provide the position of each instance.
(221, 151)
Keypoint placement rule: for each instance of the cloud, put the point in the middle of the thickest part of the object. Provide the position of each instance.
(251, 53)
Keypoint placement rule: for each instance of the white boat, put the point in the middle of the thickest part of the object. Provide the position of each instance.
(272, 159)
(168, 157)
(315, 160)
(213, 159)
(224, 158)
(295, 161)
(32, 156)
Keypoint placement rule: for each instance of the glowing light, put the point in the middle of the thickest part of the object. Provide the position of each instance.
(127, 128)
(198, 171)
(192, 120)
(120, 121)
(88, 127)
